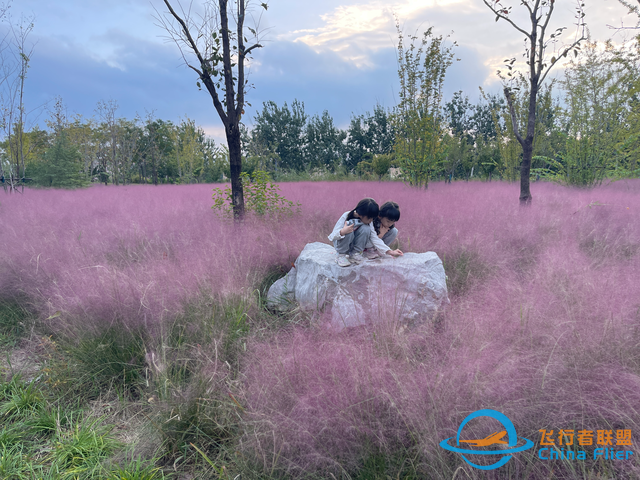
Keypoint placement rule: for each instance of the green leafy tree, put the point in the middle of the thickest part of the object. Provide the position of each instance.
(479, 125)
(156, 152)
(324, 146)
(34, 144)
(61, 166)
(82, 134)
(189, 150)
(216, 161)
(482, 119)
(108, 152)
(459, 159)
(130, 134)
(381, 164)
(365, 166)
(418, 119)
(600, 100)
(628, 163)
(369, 133)
(281, 130)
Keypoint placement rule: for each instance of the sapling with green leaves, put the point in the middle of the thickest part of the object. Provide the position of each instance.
(418, 120)
(539, 61)
(219, 55)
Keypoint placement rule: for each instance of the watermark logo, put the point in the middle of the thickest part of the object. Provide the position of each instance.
(585, 438)
(497, 438)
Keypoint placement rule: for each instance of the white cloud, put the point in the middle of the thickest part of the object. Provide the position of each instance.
(355, 31)
(215, 131)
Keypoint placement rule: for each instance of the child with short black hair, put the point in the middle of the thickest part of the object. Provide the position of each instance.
(385, 232)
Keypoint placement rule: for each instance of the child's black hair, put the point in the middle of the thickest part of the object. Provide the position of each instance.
(367, 207)
(390, 210)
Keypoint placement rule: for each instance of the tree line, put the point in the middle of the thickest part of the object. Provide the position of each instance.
(587, 129)
(77, 151)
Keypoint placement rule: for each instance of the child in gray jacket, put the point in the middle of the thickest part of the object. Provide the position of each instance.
(353, 230)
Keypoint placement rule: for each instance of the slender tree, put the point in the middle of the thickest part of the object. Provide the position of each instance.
(15, 55)
(418, 119)
(539, 61)
(220, 54)
(110, 139)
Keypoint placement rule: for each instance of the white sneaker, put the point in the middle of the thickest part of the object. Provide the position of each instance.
(342, 260)
(356, 258)
(371, 253)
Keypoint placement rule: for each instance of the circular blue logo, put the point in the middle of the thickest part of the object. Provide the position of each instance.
(496, 438)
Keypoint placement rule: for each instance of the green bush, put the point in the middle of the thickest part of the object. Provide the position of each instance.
(381, 164)
(136, 469)
(260, 197)
(23, 401)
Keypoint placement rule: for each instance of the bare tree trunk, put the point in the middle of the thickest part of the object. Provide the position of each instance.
(154, 169)
(235, 164)
(526, 142)
(527, 147)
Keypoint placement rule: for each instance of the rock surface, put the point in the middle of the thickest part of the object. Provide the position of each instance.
(408, 288)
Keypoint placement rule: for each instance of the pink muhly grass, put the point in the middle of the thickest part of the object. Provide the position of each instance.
(324, 403)
(543, 324)
(131, 253)
(548, 334)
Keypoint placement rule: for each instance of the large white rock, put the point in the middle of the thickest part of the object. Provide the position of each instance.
(408, 288)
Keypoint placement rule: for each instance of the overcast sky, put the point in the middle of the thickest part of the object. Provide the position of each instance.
(332, 55)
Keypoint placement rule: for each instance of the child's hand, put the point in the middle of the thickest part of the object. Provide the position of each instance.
(395, 253)
(347, 229)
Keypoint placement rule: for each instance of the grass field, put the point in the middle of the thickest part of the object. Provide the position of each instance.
(135, 343)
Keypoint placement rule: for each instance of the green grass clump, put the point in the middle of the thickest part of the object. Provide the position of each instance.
(464, 269)
(137, 469)
(11, 435)
(196, 422)
(13, 463)
(206, 321)
(39, 442)
(113, 360)
(79, 450)
(21, 401)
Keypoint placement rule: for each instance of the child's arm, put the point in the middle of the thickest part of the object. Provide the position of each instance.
(383, 247)
(379, 245)
(335, 234)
